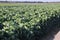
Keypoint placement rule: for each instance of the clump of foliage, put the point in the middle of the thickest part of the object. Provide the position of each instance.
(27, 22)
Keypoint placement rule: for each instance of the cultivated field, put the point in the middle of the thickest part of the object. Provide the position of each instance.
(28, 21)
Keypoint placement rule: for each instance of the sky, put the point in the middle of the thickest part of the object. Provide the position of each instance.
(35, 0)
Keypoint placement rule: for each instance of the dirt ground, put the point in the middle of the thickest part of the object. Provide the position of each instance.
(57, 36)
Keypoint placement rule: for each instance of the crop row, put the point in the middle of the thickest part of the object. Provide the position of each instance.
(30, 22)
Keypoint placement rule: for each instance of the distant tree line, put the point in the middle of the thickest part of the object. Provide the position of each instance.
(20, 1)
(6, 1)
